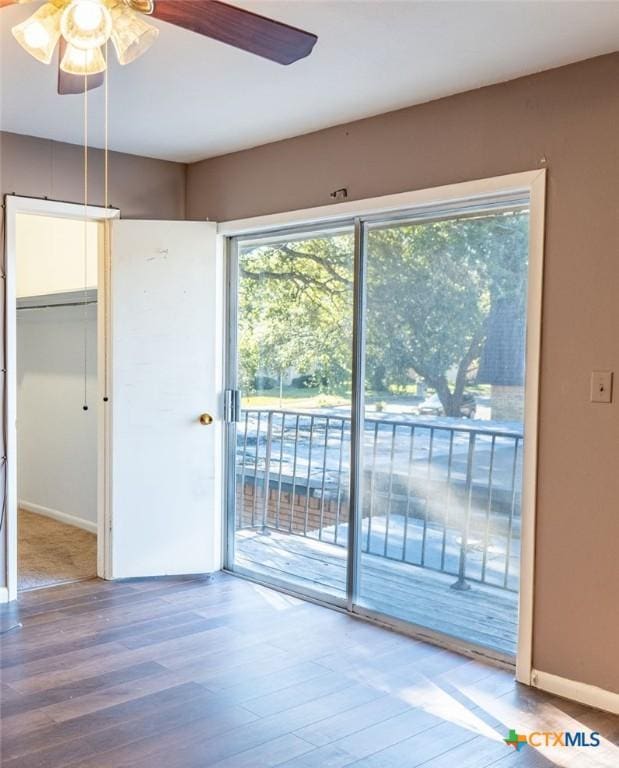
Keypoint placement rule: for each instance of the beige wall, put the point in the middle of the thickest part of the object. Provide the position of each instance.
(139, 186)
(570, 116)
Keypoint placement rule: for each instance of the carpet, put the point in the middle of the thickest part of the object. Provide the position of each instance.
(50, 552)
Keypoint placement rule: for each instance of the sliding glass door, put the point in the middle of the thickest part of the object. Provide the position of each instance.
(415, 423)
(444, 411)
(293, 341)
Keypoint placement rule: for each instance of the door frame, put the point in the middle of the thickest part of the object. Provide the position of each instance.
(14, 205)
(532, 183)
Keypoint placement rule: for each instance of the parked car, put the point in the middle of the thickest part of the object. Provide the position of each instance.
(432, 406)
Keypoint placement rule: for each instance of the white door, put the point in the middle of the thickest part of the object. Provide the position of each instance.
(165, 347)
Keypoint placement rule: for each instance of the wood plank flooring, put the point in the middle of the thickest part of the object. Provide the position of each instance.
(196, 672)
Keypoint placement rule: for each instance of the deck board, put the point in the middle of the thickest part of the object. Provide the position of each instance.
(482, 615)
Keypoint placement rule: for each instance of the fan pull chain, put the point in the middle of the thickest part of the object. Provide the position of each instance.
(106, 123)
(85, 303)
(107, 267)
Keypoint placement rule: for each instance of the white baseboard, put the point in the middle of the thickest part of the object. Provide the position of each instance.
(572, 689)
(4, 595)
(62, 517)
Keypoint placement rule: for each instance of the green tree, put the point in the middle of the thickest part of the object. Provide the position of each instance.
(295, 302)
(431, 287)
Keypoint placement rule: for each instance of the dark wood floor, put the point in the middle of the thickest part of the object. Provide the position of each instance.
(180, 673)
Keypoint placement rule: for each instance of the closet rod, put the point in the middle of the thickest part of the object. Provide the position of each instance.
(53, 306)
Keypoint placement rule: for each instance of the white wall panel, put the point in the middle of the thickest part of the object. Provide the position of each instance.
(56, 438)
(165, 349)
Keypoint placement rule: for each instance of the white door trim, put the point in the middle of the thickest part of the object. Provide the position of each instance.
(524, 656)
(38, 207)
(416, 200)
(532, 183)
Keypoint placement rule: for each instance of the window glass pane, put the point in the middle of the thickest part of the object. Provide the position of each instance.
(293, 441)
(444, 395)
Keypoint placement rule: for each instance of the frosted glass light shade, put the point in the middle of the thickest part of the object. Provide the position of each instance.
(39, 34)
(131, 35)
(86, 24)
(77, 61)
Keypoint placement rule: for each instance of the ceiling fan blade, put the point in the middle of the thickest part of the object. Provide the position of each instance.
(70, 84)
(235, 26)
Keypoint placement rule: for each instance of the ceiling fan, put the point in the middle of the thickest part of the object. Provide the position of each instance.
(82, 27)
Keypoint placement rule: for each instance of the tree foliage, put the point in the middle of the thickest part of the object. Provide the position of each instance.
(431, 288)
(296, 309)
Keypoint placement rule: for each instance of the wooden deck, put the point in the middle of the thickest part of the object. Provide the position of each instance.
(482, 615)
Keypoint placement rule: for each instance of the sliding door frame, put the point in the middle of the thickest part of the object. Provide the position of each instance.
(231, 385)
(415, 206)
(357, 424)
(231, 272)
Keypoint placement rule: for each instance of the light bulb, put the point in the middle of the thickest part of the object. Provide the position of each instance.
(35, 35)
(39, 34)
(86, 24)
(87, 15)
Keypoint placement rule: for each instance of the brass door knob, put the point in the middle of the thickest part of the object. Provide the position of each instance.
(206, 419)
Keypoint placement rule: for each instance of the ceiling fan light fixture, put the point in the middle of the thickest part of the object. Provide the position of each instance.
(80, 61)
(39, 34)
(86, 24)
(131, 35)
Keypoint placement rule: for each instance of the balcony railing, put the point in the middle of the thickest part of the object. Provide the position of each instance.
(437, 493)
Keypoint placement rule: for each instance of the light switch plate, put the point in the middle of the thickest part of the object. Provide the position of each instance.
(601, 386)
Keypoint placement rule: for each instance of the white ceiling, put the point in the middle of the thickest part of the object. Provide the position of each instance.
(190, 97)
